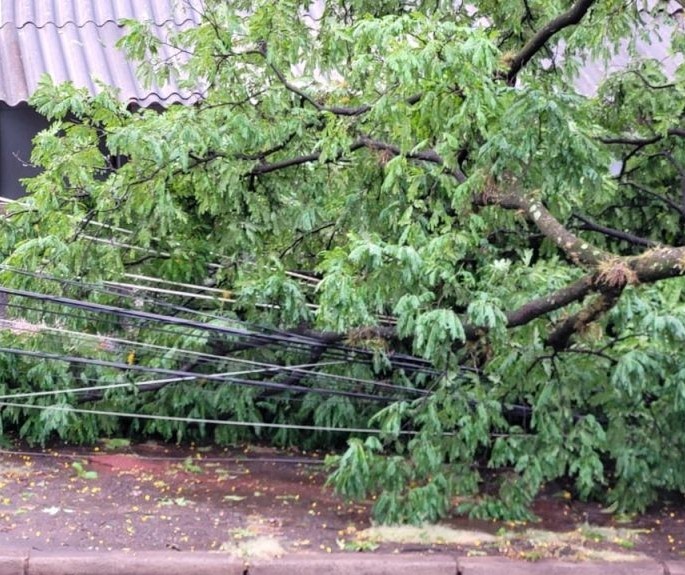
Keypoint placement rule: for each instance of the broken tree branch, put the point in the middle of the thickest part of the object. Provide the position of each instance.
(560, 338)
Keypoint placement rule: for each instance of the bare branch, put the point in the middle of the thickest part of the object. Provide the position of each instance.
(592, 352)
(337, 110)
(589, 225)
(630, 140)
(260, 169)
(681, 172)
(641, 142)
(569, 18)
(668, 201)
(649, 84)
(301, 237)
(430, 156)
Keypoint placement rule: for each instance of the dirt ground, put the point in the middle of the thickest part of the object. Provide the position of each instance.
(257, 501)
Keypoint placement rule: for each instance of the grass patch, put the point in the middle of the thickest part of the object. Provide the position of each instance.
(257, 548)
(425, 535)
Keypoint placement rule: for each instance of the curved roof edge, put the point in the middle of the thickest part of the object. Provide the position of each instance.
(60, 13)
(86, 53)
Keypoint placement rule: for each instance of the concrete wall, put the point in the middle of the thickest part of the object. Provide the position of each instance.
(18, 126)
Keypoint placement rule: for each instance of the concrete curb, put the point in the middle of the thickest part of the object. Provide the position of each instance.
(122, 563)
(356, 564)
(31, 562)
(504, 566)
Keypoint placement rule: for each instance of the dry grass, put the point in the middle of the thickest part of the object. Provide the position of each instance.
(426, 535)
(587, 542)
(257, 548)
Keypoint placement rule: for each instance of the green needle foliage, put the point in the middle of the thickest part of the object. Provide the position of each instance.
(424, 160)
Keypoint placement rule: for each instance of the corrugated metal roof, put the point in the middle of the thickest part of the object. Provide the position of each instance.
(75, 40)
(41, 13)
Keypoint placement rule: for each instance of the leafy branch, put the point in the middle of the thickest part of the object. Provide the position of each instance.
(569, 18)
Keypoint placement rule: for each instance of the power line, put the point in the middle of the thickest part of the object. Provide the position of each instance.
(210, 459)
(200, 421)
(162, 351)
(211, 377)
(289, 340)
(107, 320)
(126, 294)
(221, 297)
(139, 314)
(400, 360)
(104, 387)
(94, 389)
(159, 350)
(235, 423)
(113, 309)
(111, 344)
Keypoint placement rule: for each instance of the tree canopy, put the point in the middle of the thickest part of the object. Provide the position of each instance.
(417, 195)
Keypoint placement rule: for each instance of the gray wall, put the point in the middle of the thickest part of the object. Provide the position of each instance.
(18, 126)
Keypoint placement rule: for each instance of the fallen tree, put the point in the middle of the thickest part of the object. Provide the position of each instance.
(420, 191)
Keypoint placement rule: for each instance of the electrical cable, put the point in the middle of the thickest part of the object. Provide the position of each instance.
(397, 358)
(211, 377)
(181, 459)
(114, 344)
(201, 421)
(308, 342)
(298, 342)
(107, 320)
(98, 385)
(163, 351)
(138, 314)
(104, 387)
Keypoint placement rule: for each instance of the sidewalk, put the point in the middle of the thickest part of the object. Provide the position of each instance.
(156, 508)
(29, 562)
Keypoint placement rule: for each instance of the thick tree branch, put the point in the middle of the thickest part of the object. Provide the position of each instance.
(554, 301)
(521, 316)
(559, 339)
(569, 18)
(630, 140)
(612, 272)
(658, 264)
(577, 249)
(654, 265)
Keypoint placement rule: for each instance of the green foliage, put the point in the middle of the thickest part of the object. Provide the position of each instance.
(345, 174)
(79, 468)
